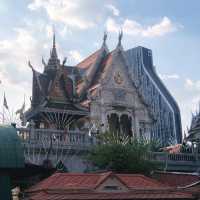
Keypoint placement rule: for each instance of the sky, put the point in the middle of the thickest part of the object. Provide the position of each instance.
(171, 28)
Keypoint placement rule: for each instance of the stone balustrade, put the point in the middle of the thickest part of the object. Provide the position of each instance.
(55, 138)
(42, 142)
(178, 157)
(188, 162)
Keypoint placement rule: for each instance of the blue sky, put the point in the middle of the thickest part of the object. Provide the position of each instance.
(171, 28)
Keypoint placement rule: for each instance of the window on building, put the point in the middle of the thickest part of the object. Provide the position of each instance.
(111, 187)
(149, 53)
(42, 125)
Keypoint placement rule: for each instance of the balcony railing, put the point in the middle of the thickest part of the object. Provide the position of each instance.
(178, 157)
(37, 139)
(47, 138)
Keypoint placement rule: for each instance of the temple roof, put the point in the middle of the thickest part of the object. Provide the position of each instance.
(53, 62)
(87, 62)
(91, 65)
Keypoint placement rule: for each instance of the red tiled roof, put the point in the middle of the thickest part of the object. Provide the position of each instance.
(102, 70)
(176, 179)
(61, 195)
(91, 181)
(139, 181)
(193, 189)
(82, 186)
(173, 149)
(86, 63)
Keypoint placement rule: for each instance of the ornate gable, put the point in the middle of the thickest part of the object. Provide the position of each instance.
(61, 88)
(115, 102)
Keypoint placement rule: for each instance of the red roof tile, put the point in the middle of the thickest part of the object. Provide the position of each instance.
(90, 181)
(61, 195)
(139, 181)
(86, 63)
(82, 186)
(176, 179)
(100, 74)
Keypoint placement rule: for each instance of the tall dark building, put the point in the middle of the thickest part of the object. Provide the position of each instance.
(167, 127)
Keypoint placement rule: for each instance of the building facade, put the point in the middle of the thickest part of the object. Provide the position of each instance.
(167, 127)
(194, 130)
(109, 90)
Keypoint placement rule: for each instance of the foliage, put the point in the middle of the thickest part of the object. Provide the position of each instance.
(122, 154)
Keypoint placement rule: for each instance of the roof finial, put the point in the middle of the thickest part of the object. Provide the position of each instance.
(120, 37)
(53, 52)
(29, 64)
(54, 37)
(105, 37)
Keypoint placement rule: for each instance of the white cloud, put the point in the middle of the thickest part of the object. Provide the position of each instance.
(15, 75)
(113, 9)
(16, 52)
(169, 76)
(49, 31)
(134, 28)
(160, 29)
(75, 56)
(112, 26)
(192, 85)
(188, 83)
(71, 13)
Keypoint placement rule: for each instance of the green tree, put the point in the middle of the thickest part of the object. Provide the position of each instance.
(122, 154)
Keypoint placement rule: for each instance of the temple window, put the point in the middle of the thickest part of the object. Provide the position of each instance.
(122, 124)
(42, 125)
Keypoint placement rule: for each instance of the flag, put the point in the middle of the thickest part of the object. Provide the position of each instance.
(5, 104)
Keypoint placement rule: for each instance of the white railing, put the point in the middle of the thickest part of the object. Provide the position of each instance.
(178, 157)
(55, 138)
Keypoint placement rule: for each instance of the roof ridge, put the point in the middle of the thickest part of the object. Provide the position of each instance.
(78, 174)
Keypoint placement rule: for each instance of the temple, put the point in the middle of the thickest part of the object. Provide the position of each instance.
(116, 90)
